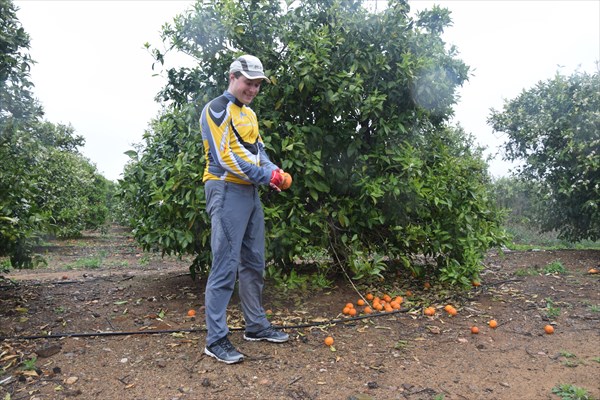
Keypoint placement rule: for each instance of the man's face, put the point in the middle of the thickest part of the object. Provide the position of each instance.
(244, 89)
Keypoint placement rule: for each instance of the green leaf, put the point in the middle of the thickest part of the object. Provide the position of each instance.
(132, 154)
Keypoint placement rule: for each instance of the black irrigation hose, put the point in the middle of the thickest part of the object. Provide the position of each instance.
(169, 331)
(18, 284)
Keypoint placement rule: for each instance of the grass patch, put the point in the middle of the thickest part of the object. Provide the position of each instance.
(123, 263)
(566, 354)
(526, 272)
(94, 262)
(86, 263)
(552, 310)
(555, 267)
(144, 260)
(525, 237)
(29, 365)
(571, 392)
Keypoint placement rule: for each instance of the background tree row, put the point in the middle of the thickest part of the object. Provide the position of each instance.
(46, 186)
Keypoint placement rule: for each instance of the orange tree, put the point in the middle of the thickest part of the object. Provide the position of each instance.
(357, 112)
(554, 129)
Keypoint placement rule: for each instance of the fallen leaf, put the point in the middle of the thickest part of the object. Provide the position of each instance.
(71, 380)
(434, 329)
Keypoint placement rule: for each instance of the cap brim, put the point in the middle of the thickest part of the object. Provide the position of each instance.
(251, 75)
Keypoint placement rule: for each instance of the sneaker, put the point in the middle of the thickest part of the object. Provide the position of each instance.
(224, 351)
(269, 334)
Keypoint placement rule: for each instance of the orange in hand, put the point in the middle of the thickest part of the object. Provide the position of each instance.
(287, 181)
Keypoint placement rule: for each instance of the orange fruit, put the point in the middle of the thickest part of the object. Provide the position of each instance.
(395, 305)
(429, 311)
(474, 330)
(399, 299)
(350, 305)
(476, 283)
(369, 296)
(367, 310)
(451, 310)
(287, 181)
(592, 271)
(329, 341)
(352, 312)
(549, 329)
(378, 306)
(191, 313)
(360, 302)
(493, 324)
(388, 308)
(346, 310)
(408, 293)
(427, 285)
(387, 298)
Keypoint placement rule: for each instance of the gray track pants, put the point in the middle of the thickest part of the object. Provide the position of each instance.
(238, 248)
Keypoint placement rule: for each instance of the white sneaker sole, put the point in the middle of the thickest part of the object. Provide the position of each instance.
(267, 339)
(213, 355)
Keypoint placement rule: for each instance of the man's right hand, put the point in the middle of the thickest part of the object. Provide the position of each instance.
(276, 179)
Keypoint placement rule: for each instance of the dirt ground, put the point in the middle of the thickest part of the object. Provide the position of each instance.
(113, 297)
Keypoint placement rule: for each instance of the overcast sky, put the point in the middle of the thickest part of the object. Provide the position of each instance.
(93, 72)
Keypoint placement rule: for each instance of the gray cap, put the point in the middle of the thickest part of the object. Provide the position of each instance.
(249, 66)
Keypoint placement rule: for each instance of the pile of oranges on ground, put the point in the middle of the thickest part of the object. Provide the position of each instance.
(384, 303)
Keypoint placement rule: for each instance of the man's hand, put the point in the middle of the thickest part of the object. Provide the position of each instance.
(277, 179)
(280, 180)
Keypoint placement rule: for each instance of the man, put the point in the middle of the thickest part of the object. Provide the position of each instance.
(236, 163)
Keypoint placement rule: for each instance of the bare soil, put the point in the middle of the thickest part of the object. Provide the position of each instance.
(107, 299)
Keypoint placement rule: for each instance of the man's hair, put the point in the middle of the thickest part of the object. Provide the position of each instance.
(237, 74)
